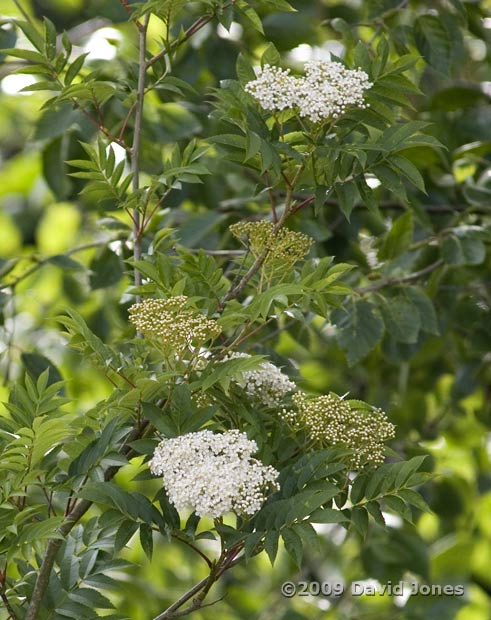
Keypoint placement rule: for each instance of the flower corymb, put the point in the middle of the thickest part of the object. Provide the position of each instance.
(172, 323)
(324, 93)
(331, 420)
(284, 246)
(213, 473)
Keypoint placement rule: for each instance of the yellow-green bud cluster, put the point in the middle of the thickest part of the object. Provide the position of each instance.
(175, 326)
(331, 421)
(283, 246)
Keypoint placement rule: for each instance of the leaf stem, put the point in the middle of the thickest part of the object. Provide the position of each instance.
(194, 548)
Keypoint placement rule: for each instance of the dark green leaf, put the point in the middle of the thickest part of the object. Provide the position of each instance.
(293, 545)
(433, 42)
(36, 364)
(399, 238)
(271, 545)
(359, 519)
(347, 197)
(360, 329)
(146, 539)
(106, 268)
(401, 320)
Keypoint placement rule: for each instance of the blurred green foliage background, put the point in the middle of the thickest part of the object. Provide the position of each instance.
(437, 390)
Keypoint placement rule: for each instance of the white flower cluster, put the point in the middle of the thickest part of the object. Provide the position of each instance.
(267, 384)
(213, 473)
(274, 88)
(324, 93)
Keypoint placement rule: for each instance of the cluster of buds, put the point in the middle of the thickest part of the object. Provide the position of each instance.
(213, 473)
(170, 322)
(283, 246)
(324, 93)
(331, 421)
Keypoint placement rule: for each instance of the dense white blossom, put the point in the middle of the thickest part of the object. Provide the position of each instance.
(325, 91)
(274, 88)
(213, 473)
(267, 384)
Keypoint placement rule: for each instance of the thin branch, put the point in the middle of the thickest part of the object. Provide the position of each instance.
(22, 10)
(49, 497)
(272, 198)
(135, 155)
(72, 519)
(44, 261)
(243, 335)
(254, 268)
(147, 219)
(169, 612)
(403, 280)
(7, 604)
(217, 252)
(305, 203)
(429, 208)
(126, 120)
(194, 607)
(126, 5)
(193, 29)
(172, 611)
(52, 548)
(101, 127)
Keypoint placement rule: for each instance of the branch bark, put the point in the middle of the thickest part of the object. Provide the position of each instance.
(44, 261)
(135, 149)
(72, 519)
(7, 604)
(173, 610)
